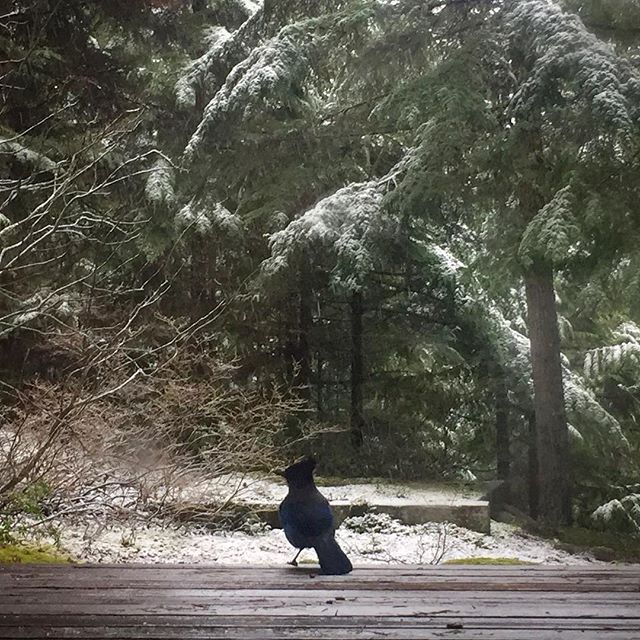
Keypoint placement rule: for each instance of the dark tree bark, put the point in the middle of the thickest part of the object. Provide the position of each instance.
(357, 370)
(303, 352)
(551, 423)
(196, 283)
(534, 489)
(203, 278)
(297, 351)
(503, 436)
(319, 385)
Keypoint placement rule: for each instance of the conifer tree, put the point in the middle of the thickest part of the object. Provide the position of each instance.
(491, 128)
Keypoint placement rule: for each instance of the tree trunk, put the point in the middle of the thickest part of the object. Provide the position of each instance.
(319, 384)
(503, 439)
(303, 353)
(357, 367)
(203, 278)
(551, 422)
(534, 489)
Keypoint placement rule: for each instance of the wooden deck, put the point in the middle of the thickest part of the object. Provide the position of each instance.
(399, 602)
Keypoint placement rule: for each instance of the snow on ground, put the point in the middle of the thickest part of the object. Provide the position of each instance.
(370, 539)
(374, 538)
(255, 489)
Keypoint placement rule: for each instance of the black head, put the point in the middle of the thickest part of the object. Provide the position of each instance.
(300, 473)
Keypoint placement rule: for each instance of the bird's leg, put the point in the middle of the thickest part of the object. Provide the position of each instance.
(294, 562)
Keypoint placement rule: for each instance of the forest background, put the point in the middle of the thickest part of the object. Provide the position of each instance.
(402, 234)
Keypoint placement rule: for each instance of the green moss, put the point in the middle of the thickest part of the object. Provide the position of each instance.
(485, 560)
(32, 554)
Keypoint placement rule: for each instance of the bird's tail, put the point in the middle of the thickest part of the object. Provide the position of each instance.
(333, 560)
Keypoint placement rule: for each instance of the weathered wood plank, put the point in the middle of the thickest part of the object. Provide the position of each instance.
(406, 603)
(317, 622)
(366, 570)
(188, 633)
(427, 578)
(383, 569)
(390, 585)
(295, 595)
(279, 607)
(434, 582)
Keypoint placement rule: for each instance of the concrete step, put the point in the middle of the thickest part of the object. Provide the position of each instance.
(471, 515)
(411, 503)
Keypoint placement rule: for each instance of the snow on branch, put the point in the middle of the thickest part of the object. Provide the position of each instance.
(608, 359)
(449, 264)
(251, 6)
(195, 73)
(43, 306)
(272, 74)
(160, 184)
(582, 407)
(553, 234)
(25, 156)
(209, 218)
(567, 60)
(224, 50)
(581, 403)
(587, 417)
(350, 225)
(622, 515)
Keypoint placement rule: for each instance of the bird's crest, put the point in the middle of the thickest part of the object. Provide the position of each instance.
(301, 472)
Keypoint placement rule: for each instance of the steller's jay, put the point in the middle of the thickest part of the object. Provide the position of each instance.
(307, 519)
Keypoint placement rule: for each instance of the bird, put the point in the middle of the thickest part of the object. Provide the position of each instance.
(307, 519)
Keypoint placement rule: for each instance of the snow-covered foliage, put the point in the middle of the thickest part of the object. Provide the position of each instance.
(511, 346)
(160, 184)
(26, 156)
(553, 234)
(584, 412)
(568, 62)
(249, 6)
(209, 219)
(586, 415)
(628, 331)
(588, 419)
(349, 225)
(620, 515)
(195, 73)
(584, 409)
(224, 50)
(273, 73)
(39, 309)
(449, 263)
(603, 359)
(626, 351)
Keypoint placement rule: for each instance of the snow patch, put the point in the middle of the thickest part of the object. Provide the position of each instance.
(26, 156)
(378, 540)
(194, 73)
(160, 183)
(349, 225)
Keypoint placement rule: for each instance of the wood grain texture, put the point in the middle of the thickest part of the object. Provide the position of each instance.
(171, 602)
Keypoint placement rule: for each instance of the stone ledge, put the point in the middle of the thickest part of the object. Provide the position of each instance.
(471, 515)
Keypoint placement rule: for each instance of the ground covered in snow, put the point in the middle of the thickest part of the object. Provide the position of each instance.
(373, 538)
(255, 489)
(369, 539)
